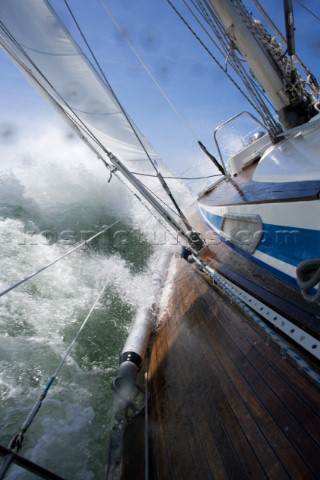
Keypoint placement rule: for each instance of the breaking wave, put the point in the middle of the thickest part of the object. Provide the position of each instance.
(54, 194)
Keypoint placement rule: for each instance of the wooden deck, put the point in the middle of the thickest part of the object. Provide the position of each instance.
(225, 403)
(286, 299)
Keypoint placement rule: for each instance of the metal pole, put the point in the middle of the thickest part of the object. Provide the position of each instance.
(6, 465)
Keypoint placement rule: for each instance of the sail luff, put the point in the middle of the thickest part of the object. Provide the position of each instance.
(53, 60)
(81, 111)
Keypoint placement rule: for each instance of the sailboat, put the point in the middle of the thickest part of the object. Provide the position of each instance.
(227, 385)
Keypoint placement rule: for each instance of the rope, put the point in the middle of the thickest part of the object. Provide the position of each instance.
(86, 242)
(308, 277)
(231, 58)
(16, 442)
(278, 32)
(209, 52)
(258, 100)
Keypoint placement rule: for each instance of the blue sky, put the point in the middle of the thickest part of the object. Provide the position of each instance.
(200, 93)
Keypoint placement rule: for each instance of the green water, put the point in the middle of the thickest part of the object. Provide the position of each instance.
(44, 213)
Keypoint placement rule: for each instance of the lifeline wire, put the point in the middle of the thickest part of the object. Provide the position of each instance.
(146, 206)
(133, 128)
(76, 124)
(79, 124)
(7, 290)
(178, 178)
(17, 440)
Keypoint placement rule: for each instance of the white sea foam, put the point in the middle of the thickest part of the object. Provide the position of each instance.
(167, 289)
(51, 184)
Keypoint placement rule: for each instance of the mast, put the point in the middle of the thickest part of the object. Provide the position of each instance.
(259, 60)
(290, 99)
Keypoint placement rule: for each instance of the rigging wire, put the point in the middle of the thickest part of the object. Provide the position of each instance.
(231, 58)
(278, 32)
(211, 55)
(40, 270)
(110, 88)
(146, 206)
(16, 442)
(178, 178)
(230, 55)
(148, 71)
(78, 124)
(207, 18)
(257, 102)
(227, 50)
(133, 128)
(74, 121)
(258, 94)
(160, 199)
(308, 10)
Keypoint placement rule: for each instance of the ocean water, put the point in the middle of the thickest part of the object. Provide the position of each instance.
(53, 195)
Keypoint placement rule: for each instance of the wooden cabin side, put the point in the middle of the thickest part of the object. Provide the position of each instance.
(241, 192)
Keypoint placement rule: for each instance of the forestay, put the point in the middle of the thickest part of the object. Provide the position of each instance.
(39, 43)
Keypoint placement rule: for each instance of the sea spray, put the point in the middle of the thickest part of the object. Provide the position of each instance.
(55, 193)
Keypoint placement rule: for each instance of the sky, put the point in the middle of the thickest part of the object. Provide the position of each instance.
(201, 95)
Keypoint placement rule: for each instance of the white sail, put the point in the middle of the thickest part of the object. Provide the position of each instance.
(39, 43)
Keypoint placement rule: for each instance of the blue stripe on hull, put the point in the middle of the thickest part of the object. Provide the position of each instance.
(290, 245)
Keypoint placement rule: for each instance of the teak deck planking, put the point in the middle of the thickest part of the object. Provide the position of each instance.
(224, 402)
